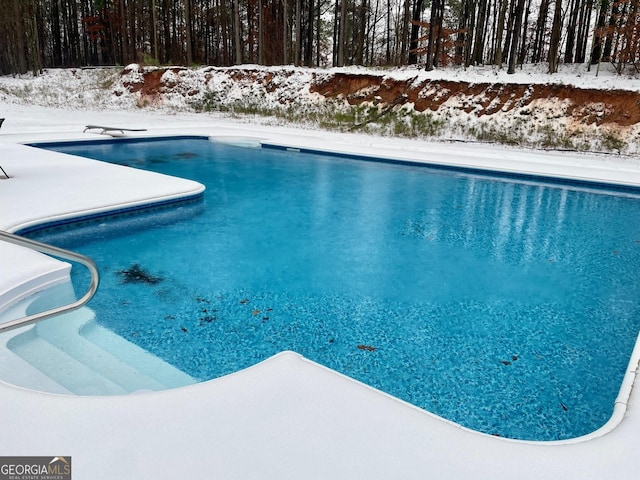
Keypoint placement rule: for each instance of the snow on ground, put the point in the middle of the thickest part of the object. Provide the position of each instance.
(286, 95)
(576, 75)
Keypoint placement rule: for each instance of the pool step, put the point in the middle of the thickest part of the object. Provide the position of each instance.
(87, 359)
(15, 370)
(145, 362)
(60, 367)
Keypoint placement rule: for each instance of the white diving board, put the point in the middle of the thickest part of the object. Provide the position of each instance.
(112, 130)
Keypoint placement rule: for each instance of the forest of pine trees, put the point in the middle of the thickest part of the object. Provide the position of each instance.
(36, 34)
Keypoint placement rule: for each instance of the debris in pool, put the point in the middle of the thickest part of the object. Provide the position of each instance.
(564, 407)
(185, 155)
(207, 319)
(255, 312)
(244, 300)
(169, 317)
(201, 299)
(367, 348)
(264, 319)
(505, 362)
(514, 357)
(136, 274)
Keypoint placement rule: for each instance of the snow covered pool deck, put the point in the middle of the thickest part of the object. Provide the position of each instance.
(286, 417)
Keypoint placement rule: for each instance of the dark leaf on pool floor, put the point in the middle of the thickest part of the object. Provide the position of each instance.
(185, 155)
(136, 274)
(367, 348)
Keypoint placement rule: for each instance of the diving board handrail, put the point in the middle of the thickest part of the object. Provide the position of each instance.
(58, 252)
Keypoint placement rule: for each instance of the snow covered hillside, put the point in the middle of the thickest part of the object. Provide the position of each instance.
(575, 109)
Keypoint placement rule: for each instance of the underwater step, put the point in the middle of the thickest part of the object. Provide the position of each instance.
(64, 333)
(20, 373)
(146, 362)
(60, 367)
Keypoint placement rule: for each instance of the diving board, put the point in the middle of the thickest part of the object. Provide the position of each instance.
(111, 130)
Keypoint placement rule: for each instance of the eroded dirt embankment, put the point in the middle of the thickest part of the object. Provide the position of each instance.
(402, 103)
(584, 106)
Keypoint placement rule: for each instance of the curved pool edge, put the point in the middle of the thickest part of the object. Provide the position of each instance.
(284, 417)
(82, 192)
(83, 188)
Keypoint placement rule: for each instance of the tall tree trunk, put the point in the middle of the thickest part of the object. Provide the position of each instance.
(318, 33)
(404, 35)
(470, 36)
(154, 26)
(554, 43)
(478, 43)
(524, 38)
(388, 34)
(435, 27)
(570, 42)
(298, 50)
(261, 32)
(583, 31)
(285, 32)
(236, 32)
(124, 34)
(500, 32)
(506, 50)
(342, 33)
(308, 46)
(187, 32)
(515, 40)
(613, 18)
(224, 27)
(56, 34)
(415, 31)
(596, 51)
(461, 36)
(540, 35)
(361, 31)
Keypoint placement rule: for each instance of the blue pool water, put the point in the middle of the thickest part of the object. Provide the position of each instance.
(508, 306)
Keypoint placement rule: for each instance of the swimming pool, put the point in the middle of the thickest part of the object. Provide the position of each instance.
(475, 298)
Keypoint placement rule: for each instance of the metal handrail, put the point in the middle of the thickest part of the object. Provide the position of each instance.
(58, 252)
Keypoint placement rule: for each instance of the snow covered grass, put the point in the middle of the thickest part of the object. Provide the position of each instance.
(282, 95)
